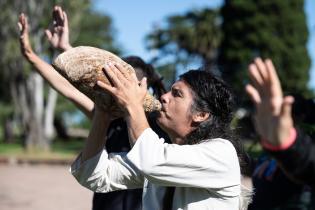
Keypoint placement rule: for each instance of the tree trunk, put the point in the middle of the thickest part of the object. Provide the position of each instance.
(35, 138)
(49, 115)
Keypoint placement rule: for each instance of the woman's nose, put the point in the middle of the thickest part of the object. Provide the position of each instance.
(164, 98)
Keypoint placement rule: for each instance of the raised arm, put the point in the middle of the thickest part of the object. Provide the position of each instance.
(57, 81)
(97, 136)
(273, 118)
(98, 170)
(294, 151)
(58, 34)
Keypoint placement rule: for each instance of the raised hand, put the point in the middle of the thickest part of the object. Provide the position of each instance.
(25, 45)
(273, 117)
(58, 35)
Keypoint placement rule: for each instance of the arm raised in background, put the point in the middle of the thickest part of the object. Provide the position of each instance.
(57, 81)
(58, 34)
(293, 150)
(273, 118)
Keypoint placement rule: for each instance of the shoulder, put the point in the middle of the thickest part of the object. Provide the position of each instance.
(218, 143)
(220, 148)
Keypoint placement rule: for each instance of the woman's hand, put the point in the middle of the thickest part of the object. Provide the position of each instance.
(58, 35)
(129, 94)
(25, 44)
(125, 88)
(273, 118)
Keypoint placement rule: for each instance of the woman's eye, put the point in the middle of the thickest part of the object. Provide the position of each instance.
(175, 93)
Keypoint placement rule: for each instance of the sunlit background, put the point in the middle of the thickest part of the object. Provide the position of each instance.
(177, 35)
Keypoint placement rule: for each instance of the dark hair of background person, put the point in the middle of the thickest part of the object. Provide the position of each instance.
(154, 80)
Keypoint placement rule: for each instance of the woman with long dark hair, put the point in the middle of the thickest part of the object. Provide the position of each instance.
(200, 169)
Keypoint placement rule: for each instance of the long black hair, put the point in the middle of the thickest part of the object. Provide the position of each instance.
(212, 95)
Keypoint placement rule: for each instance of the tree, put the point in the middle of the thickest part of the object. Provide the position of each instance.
(194, 36)
(275, 29)
(32, 102)
(96, 30)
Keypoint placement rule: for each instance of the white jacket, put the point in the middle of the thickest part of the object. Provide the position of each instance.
(206, 175)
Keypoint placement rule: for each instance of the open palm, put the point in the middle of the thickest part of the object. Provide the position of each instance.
(58, 35)
(273, 117)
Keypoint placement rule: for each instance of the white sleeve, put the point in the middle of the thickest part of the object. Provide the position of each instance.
(212, 164)
(107, 172)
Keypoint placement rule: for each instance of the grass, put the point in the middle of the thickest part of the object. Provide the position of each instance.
(59, 151)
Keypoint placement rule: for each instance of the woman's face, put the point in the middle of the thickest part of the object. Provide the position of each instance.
(175, 117)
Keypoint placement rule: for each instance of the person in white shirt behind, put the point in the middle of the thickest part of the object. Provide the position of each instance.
(201, 169)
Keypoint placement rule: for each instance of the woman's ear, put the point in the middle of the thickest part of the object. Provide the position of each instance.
(200, 117)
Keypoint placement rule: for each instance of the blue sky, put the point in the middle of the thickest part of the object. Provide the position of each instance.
(135, 19)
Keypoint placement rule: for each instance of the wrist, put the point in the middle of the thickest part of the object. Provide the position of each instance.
(134, 109)
(66, 47)
(283, 145)
(29, 54)
(31, 57)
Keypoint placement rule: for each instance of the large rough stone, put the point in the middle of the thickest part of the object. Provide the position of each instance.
(82, 67)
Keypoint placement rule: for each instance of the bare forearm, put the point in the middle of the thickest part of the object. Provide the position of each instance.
(63, 86)
(137, 123)
(97, 137)
(66, 47)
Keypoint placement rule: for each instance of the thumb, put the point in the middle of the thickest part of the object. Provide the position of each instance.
(286, 108)
(48, 34)
(20, 27)
(65, 20)
(143, 83)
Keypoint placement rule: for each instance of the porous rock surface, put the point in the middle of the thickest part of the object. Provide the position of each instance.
(82, 67)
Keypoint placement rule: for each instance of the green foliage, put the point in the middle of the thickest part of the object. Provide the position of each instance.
(184, 40)
(66, 109)
(195, 33)
(96, 30)
(242, 30)
(274, 29)
(168, 74)
(86, 27)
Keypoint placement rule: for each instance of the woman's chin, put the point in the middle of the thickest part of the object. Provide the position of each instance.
(159, 121)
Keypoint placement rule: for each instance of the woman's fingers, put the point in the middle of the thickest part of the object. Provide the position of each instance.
(21, 23)
(48, 34)
(127, 75)
(112, 75)
(286, 108)
(143, 83)
(255, 77)
(65, 19)
(262, 69)
(120, 72)
(23, 26)
(106, 87)
(253, 94)
(20, 27)
(274, 82)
